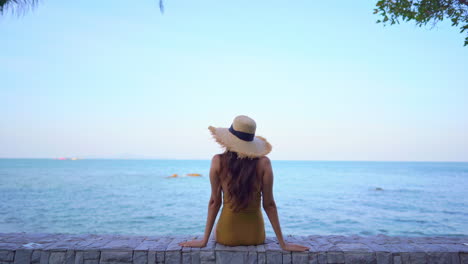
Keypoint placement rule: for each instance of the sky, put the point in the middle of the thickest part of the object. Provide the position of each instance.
(322, 80)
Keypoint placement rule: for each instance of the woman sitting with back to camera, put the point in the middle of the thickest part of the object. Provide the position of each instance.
(244, 174)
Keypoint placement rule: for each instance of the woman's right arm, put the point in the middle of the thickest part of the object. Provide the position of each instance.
(269, 206)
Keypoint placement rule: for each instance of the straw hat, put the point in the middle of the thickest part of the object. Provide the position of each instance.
(240, 138)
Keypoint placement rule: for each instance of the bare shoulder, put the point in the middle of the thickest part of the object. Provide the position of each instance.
(264, 162)
(263, 165)
(216, 161)
(216, 158)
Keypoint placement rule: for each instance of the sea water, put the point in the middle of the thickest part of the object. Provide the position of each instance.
(312, 197)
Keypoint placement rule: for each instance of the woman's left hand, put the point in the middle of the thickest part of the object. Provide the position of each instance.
(193, 243)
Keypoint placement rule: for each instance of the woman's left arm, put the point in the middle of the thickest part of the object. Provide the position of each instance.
(213, 205)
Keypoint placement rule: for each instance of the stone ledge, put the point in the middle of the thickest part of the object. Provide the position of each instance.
(43, 248)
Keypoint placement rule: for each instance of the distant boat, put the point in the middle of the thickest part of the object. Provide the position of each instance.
(194, 174)
(64, 158)
(173, 176)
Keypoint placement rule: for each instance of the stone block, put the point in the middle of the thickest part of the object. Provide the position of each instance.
(207, 253)
(7, 255)
(252, 248)
(151, 257)
(161, 244)
(57, 257)
(335, 239)
(45, 257)
(463, 258)
(195, 256)
(322, 257)
(323, 246)
(36, 257)
(454, 257)
(397, 260)
(221, 247)
(84, 244)
(405, 258)
(61, 245)
(234, 257)
(383, 248)
(300, 257)
(261, 257)
(70, 256)
(160, 257)
(173, 257)
(160, 248)
(384, 257)
(392, 248)
(91, 254)
(78, 257)
(252, 257)
(121, 244)
(272, 246)
(442, 258)
(408, 247)
(147, 245)
(274, 257)
(174, 244)
(287, 257)
(354, 247)
(186, 249)
(186, 257)
(459, 248)
(23, 256)
(432, 248)
(119, 256)
(91, 261)
(335, 257)
(313, 258)
(140, 257)
(207, 256)
(319, 243)
(418, 258)
(260, 248)
(360, 258)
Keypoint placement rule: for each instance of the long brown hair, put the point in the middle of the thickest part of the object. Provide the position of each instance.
(241, 177)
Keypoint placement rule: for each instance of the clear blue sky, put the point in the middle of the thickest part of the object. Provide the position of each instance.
(321, 78)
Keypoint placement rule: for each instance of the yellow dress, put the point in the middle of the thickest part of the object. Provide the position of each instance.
(242, 228)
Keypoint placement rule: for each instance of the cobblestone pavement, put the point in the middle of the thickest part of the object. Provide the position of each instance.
(42, 248)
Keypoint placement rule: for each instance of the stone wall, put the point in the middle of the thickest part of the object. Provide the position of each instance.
(41, 248)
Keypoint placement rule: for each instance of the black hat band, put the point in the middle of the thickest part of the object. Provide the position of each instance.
(242, 135)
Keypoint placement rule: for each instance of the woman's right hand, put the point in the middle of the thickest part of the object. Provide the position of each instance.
(294, 247)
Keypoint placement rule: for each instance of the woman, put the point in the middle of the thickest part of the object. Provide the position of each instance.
(243, 173)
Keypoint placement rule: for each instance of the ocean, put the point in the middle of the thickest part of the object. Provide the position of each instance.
(135, 197)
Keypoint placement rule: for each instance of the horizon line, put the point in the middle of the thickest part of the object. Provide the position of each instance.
(183, 159)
